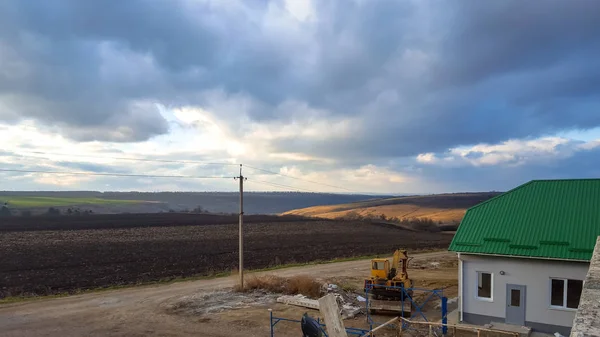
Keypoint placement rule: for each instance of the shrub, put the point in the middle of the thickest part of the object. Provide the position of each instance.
(198, 209)
(424, 224)
(53, 211)
(446, 228)
(353, 215)
(301, 284)
(5, 211)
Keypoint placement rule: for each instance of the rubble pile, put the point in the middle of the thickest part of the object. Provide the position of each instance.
(349, 302)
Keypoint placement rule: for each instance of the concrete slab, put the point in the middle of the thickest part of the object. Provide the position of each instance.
(453, 317)
(541, 334)
(331, 315)
(523, 331)
(300, 301)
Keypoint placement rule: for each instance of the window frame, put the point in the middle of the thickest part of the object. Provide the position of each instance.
(565, 291)
(376, 265)
(485, 299)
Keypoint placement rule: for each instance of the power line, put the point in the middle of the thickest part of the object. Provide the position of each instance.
(301, 179)
(282, 186)
(132, 159)
(195, 162)
(113, 174)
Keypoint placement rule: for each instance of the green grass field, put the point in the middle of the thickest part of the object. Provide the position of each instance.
(28, 202)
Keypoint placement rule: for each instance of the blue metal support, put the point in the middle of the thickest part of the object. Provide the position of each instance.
(272, 325)
(420, 307)
(404, 295)
(445, 315)
(417, 307)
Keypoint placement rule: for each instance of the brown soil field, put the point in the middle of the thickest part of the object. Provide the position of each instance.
(445, 208)
(48, 255)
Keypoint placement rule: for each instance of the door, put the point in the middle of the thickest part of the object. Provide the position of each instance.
(515, 304)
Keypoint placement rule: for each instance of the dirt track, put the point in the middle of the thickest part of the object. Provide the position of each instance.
(141, 311)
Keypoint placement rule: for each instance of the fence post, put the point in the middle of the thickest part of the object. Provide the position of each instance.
(402, 301)
(445, 315)
(367, 303)
(271, 319)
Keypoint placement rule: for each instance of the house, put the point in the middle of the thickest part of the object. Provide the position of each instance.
(524, 254)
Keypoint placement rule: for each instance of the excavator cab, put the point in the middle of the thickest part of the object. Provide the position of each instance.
(380, 268)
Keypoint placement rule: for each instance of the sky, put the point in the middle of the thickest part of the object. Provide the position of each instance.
(370, 96)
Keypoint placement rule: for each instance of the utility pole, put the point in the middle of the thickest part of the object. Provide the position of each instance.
(241, 245)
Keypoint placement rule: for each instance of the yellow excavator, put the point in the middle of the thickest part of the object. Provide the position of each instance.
(389, 287)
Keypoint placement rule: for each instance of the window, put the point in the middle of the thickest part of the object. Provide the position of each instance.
(565, 293)
(379, 265)
(515, 298)
(484, 285)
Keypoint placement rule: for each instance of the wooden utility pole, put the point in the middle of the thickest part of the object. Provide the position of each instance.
(241, 233)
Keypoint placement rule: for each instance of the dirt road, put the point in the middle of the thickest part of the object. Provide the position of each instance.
(140, 311)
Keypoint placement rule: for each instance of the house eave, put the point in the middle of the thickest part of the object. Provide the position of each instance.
(523, 257)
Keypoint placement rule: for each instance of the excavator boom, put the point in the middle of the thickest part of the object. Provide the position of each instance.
(396, 261)
(399, 263)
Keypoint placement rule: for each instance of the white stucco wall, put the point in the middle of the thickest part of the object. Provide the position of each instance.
(532, 273)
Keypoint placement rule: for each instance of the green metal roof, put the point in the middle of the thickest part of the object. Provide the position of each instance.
(557, 219)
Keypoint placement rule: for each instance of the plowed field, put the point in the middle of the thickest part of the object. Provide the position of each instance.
(62, 254)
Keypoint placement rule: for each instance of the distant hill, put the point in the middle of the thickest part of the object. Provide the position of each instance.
(445, 208)
(148, 202)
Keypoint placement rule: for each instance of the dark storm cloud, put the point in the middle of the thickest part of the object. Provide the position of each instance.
(489, 39)
(417, 76)
(494, 71)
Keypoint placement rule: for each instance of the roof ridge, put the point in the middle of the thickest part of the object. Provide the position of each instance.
(500, 196)
(528, 183)
(566, 179)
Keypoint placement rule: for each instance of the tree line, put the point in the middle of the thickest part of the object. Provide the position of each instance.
(416, 223)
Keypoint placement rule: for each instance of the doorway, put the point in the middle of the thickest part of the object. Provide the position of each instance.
(515, 304)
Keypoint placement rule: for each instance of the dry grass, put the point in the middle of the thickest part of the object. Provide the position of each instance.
(441, 208)
(400, 211)
(301, 284)
(403, 211)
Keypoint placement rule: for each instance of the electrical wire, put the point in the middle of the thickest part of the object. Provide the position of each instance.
(132, 159)
(301, 179)
(282, 186)
(181, 162)
(114, 174)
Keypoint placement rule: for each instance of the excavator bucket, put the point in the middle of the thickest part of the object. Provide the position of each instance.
(391, 307)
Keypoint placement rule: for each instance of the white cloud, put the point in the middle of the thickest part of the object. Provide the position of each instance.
(511, 152)
(426, 158)
(300, 9)
(364, 179)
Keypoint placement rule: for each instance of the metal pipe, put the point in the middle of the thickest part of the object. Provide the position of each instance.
(272, 326)
(460, 287)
